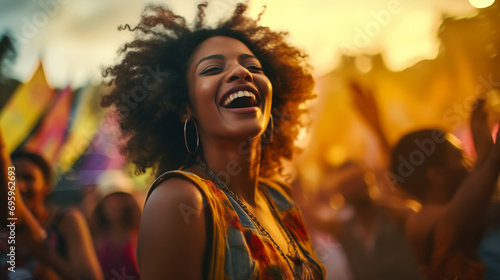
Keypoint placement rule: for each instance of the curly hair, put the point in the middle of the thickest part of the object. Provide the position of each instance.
(149, 86)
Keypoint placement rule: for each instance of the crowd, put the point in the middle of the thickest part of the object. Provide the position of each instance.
(216, 128)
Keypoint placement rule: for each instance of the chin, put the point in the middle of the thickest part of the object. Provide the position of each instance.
(247, 132)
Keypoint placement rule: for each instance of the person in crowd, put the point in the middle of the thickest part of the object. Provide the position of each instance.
(445, 233)
(352, 210)
(214, 110)
(429, 165)
(115, 227)
(50, 243)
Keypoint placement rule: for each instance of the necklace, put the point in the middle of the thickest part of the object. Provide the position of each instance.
(299, 267)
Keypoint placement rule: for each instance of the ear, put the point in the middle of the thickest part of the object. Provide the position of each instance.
(185, 112)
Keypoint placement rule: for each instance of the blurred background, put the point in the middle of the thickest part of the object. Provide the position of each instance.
(423, 62)
(415, 64)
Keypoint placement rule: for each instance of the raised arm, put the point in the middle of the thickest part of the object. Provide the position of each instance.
(436, 229)
(172, 235)
(366, 106)
(81, 262)
(480, 130)
(473, 197)
(25, 220)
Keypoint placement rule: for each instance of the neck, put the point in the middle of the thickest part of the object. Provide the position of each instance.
(235, 164)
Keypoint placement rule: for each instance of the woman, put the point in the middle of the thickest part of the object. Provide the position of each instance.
(49, 243)
(214, 111)
(115, 226)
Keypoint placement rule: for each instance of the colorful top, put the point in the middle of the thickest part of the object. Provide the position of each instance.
(118, 260)
(238, 250)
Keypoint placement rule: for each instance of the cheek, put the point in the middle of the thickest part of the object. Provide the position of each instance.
(203, 91)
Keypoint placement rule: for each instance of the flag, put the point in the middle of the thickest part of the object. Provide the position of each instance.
(51, 133)
(85, 123)
(24, 108)
(102, 154)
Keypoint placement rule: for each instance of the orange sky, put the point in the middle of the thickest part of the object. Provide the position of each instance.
(76, 37)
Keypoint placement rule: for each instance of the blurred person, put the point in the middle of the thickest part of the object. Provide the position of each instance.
(429, 165)
(115, 227)
(219, 115)
(489, 247)
(350, 209)
(50, 243)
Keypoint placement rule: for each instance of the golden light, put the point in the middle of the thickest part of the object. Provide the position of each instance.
(336, 155)
(413, 205)
(337, 201)
(481, 3)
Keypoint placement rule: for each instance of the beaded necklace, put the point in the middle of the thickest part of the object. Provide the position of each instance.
(298, 264)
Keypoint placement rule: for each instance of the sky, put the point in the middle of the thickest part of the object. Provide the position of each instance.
(77, 38)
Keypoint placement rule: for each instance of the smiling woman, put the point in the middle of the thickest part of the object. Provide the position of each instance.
(215, 119)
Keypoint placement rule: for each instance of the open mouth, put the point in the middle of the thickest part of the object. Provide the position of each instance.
(239, 99)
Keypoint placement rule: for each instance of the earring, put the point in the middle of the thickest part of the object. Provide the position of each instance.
(271, 122)
(185, 135)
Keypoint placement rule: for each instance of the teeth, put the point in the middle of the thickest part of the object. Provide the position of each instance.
(235, 95)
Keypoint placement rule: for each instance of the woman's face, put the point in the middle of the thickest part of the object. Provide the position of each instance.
(230, 94)
(30, 181)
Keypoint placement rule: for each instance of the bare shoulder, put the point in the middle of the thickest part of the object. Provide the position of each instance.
(173, 230)
(176, 198)
(421, 227)
(72, 222)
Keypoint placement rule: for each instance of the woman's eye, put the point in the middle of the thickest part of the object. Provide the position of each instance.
(255, 69)
(211, 70)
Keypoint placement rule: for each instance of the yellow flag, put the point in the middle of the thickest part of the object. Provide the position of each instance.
(24, 109)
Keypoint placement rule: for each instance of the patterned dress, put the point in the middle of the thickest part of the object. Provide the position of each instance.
(238, 250)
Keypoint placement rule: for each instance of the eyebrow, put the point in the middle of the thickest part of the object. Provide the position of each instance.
(214, 56)
(220, 56)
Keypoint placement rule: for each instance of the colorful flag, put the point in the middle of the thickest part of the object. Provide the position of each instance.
(103, 153)
(51, 133)
(86, 120)
(24, 108)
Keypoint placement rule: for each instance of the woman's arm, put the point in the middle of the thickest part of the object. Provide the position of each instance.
(82, 262)
(172, 235)
(366, 106)
(24, 219)
(452, 224)
(480, 131)
(471, 200)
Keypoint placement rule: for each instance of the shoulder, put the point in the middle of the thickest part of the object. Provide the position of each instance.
(172, 193)
(70, 221)
(422, 229)
(173, 227)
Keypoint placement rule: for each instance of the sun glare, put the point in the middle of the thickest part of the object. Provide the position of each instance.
(481, 3)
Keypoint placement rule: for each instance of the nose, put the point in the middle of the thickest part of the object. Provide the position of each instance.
(239, 73)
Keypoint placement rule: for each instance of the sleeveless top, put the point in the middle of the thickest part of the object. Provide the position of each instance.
(237, 249)
(118, 259)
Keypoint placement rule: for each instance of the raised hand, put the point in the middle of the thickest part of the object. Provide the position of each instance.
(479, 128)
(9, 189)
(366, 106)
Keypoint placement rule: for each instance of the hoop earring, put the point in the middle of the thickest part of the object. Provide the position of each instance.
(197, 135)
(271, 121)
